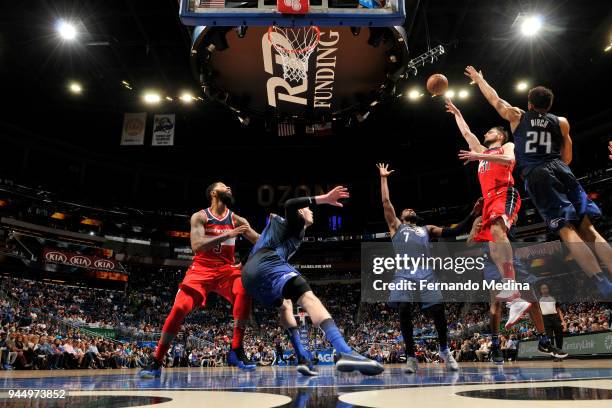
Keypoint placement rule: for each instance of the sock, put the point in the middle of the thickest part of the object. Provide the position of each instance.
(406, 327)
(332, 334)
(602, 283)
(161, 350)
(183, 304)
(543, 338)
(495, 340)
(508, 271)
(237, 337)
(294, 336)
(436, 312)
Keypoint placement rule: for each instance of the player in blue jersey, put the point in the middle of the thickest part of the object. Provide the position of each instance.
(411, 239)
(269, 278)
(543, 150)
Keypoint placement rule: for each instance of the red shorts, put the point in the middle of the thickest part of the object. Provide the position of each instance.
(223, 279)
(504, 203)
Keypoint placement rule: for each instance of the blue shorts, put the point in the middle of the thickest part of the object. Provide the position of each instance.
(558, 196)
(264, 276)
(426, 297)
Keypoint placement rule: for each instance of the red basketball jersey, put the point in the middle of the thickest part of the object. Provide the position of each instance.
(494, 176)
(222, 253)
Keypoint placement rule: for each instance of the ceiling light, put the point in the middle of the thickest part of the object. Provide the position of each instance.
(414, 94)
(151, 97)
(66, 30)
(522, 86)
(531, 25)
(187, 97)
(75, 88)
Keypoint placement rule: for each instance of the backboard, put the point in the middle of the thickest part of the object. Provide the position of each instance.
(322, 13)
(348, 73)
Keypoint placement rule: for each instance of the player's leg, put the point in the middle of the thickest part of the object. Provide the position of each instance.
(544, 333)
(230, 287)
(601, 247)
(501, 254)
(407, 329)
(437, 314)
(561, 201)
(544, 343)
(495, 312)
(287, 320)
(184, 303)
(298, 289)
(585, 258)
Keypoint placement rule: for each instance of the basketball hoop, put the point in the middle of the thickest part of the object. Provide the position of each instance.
(294, 45)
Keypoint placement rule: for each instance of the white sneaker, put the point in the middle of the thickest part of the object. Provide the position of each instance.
(448, 358)
(518, 307)
(411, 365)
(507, 295)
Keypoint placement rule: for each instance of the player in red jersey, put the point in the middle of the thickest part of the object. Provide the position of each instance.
(501, 206)
(501, 200)
(213, 235)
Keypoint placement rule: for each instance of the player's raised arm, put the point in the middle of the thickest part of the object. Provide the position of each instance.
(250, 234)
(392, 221)
(566, 149)
(467, 134)
(460, 227)
(510, 113)
(200, 242)
(293, 205)
(506, 159)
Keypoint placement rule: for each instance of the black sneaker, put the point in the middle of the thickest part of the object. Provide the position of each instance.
(497, 356)
(356, 362)
(242, 355)
(306, 368)
(546, 347)
(237, 358)
(153, 370)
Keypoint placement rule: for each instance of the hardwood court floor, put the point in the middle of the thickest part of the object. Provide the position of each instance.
(572, 383)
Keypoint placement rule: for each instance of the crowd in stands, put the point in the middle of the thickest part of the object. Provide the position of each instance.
(48, 326)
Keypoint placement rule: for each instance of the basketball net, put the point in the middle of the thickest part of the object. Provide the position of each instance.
(294, 45)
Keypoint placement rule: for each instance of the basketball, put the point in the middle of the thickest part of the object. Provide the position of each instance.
(437, 84)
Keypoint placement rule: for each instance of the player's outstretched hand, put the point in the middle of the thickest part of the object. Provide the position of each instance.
(478, 206)
(334, 196)
(238, 231)
(468, 156)
(383, 169)
(474, 75)
(610, 149)
(451, 108)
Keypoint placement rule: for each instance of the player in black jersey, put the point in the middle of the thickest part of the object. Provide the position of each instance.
(543, 150)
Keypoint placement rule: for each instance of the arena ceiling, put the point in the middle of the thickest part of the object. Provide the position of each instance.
(145, 44)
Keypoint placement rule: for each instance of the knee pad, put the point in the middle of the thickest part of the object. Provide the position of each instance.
(295, 288)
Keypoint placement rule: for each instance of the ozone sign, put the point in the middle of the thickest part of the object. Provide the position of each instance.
(80, 261)
(347, 70)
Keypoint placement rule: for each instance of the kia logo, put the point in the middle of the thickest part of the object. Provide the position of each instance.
(104, 264)
(55, 257)
(79, 260)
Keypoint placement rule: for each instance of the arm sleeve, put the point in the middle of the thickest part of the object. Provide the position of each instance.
(462, 226)
(291, 210)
